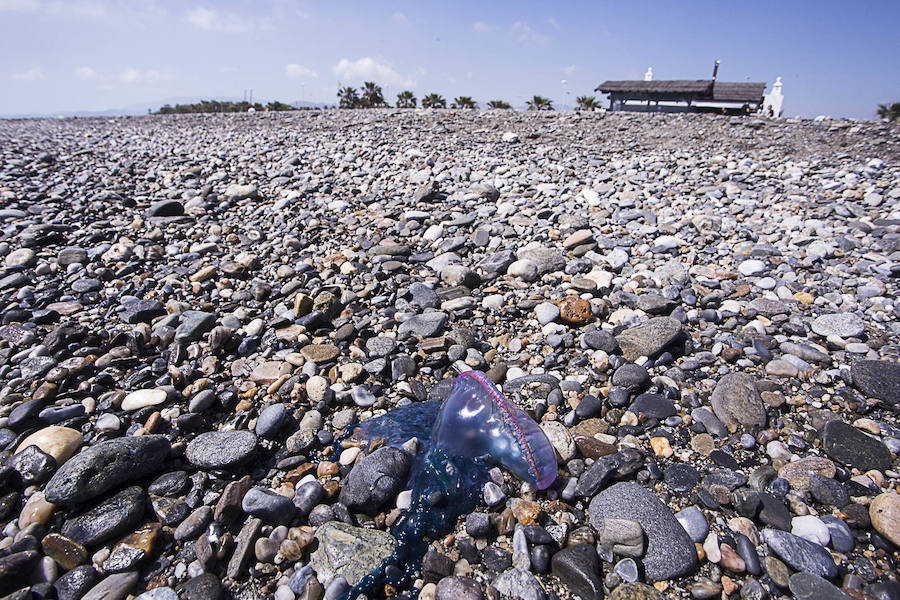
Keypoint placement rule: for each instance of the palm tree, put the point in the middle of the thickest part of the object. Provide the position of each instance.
(499, 104)
(371, 95)
(464, 102)
(405, 99)
(539, 103)
(434, 101)
(587, 103)
(348, 97)
(891, 112)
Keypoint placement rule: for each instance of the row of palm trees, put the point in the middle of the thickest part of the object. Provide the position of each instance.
(371, 96)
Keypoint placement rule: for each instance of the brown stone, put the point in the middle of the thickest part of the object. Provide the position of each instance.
(67, 552)
(593, 448)
(590, 428)
(327, 469)
(525, 511)
(885, 515)
(730, 559)
(798, 472)
(228, 508)
(575, 311)
(59, 442)
(267, 372)
(245, 542)
(319, 353)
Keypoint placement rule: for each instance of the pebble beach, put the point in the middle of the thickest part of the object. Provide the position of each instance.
(700, 312)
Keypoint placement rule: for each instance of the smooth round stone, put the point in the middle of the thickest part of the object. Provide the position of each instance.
(362, 397)
(781, 368)
(458, 588)
(59, 442)
(842, 538)
(884, 511)
(766, 283)
(318, 389)
(811, 528)
(268, 505)
(220, 449)
(270, 420)
(627, 569)
(143, 398)
(694, 522)
(797, 473)
(751, 267)
(23, 257)
(546, 312)
(843, 325)
(319, 353)
(108, 422)
(682, 478)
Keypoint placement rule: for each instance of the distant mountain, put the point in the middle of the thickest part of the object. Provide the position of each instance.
(143, 108)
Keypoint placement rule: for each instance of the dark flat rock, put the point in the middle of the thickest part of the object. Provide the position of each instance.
(578, 568)
(220, 449)
(648, 339)
(877, 379)
(109, 519)
(670, 551)
(848, 445)
(800, 554)
(104, 466)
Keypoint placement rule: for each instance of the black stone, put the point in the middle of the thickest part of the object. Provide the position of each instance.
(850, 446)
(828, 491)
(108, 519)
(800, 554)
(655, 406)
(877, 379)
(74, 584)
(202, 587)
(105, 466)
(375, 480)
(681, 477)
(578, 568)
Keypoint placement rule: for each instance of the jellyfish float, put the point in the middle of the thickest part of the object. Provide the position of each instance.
(460, 439)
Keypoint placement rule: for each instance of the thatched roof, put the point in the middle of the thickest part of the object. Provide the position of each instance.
(671, 86)
(702, 89)
(725, 91)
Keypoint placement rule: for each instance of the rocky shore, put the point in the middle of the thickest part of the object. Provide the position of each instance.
(700, 311)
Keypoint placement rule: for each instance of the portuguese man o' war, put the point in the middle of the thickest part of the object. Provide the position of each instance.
(460, 439)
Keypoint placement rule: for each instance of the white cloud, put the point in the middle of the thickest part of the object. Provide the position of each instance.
(34, 74)
(295, 70)
(131, 75)
(482, 27)
(85, 73)
(399, 18)
(134, 75)
(552, 23)
(210, 19)
(570, 69)
(371, 69)
(524, 33)
(19, 5)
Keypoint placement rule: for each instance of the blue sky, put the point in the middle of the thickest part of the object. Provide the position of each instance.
(837, 58)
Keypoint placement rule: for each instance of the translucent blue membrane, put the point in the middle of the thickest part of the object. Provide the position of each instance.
(472, 429)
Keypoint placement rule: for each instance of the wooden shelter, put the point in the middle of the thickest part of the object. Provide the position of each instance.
(684, 95)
